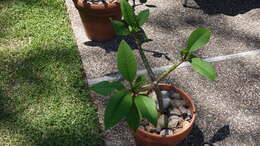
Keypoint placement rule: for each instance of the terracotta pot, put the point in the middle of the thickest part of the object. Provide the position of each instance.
(95, 18)
(144, 138)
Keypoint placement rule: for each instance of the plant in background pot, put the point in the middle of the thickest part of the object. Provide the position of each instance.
(95, 15)
(158, 114)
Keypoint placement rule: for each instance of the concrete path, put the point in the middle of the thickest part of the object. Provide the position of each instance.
(229, 108)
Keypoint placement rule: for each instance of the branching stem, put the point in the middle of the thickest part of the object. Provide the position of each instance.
(167, 72)
(150, 74)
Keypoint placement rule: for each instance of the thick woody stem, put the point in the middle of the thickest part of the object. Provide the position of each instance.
(151, 75)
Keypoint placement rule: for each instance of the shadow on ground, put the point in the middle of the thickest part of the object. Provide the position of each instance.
(196, 137)
(112, 46)
(226, 7)
(137, 3)
(219, 26)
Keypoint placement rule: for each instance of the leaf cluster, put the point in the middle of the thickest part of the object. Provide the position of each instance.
(128, 102)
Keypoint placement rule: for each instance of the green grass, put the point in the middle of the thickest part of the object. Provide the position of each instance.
(43, 97)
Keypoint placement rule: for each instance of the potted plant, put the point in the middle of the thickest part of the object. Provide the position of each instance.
(95, 16)
(158, 114)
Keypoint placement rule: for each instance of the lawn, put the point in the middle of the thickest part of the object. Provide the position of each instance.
(43, 96)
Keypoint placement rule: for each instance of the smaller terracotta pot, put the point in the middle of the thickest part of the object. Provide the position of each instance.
(144, 138)
(95, 18)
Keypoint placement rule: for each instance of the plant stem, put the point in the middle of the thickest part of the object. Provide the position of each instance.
(152, 77)
(167, 72)
(134, 4)
(144, 88)
(150, 74)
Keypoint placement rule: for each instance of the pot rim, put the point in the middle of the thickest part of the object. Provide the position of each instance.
(83, 5)
(192, 120)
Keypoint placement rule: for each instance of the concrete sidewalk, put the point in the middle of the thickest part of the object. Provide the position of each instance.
(228, 109)
(169, 26)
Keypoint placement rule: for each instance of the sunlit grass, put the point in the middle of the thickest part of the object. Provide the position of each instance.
(43, 97)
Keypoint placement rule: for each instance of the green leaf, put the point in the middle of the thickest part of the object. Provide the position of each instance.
(120, 28)
(204, 68)
(147, 108)
(184, 52)
(126, 62)
(117, 108)
(140, 80)
(143, 17)
(128, 13)
(191, 57)
(134, 29)
(134, 117)
(117, 85)
(103, 88)
(198, 39)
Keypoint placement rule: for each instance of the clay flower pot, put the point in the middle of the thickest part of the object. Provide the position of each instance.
(95, 18)
(144, 138)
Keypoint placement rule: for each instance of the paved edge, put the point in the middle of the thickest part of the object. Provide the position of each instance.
(77, 26)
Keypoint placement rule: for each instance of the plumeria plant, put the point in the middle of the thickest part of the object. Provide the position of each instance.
(130, 102)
